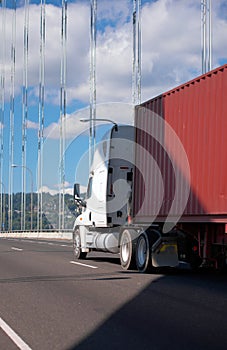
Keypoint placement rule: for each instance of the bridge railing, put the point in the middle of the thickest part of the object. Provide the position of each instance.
(50, 234)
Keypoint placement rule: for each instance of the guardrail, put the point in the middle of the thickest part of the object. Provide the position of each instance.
(55, 234)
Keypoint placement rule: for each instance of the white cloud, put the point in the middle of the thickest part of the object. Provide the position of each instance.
(171, 48)
(46, 189)
(117, 112)
(76, 156)
(171, 54)
(55, 190)
(77, 47)
(32, 125)
(114, 13)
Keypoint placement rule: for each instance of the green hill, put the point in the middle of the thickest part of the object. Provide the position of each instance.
(50, 216)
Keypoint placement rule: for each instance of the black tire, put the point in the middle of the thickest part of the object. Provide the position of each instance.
(78, 254)
(127, 249)
(143, 253)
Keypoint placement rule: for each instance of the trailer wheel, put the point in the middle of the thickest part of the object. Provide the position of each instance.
(127, 249)
(143, 253)
(78, 254)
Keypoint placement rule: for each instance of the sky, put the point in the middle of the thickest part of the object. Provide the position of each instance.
(171, 55)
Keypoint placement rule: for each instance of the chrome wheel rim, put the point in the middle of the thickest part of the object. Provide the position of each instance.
(125, 249)
(77, 243)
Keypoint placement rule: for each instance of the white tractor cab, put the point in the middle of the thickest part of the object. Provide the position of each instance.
(105, 220)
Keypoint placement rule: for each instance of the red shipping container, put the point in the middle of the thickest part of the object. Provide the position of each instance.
(181, 153)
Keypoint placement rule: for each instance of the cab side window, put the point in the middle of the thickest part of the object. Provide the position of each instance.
(89, 188)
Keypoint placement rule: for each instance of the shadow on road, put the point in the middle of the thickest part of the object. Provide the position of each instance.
(111, 260)
(62, 278)
(181, 310)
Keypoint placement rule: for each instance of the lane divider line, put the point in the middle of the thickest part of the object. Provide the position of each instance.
(13, 336)
(17, 249)
(77, 263)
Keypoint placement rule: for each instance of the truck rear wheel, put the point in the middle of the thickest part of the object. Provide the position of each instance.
(78, 254)
(143, 253)
(127, 249)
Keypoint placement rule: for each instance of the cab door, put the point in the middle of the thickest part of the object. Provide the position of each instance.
(96, 197)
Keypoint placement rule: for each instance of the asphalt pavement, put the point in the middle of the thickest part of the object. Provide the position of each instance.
(48, 301)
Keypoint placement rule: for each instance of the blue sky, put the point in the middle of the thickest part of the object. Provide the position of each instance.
(171, 54)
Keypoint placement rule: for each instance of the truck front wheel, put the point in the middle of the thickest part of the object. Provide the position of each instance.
(127, 249)
(78, 254)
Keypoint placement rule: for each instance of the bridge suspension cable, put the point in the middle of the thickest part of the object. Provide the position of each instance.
(93, 29)
(206, 35)
(12, 112)
(2, 114)
(41, 114)
(136, 61)
(62, 115)
(24, 114)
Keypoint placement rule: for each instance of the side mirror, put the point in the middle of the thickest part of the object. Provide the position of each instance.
(76, 192)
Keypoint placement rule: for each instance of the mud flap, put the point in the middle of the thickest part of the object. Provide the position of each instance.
(165, 254)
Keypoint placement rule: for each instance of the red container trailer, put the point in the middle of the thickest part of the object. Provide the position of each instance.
(184, 133)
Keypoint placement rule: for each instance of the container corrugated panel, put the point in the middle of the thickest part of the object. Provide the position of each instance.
(181, 152)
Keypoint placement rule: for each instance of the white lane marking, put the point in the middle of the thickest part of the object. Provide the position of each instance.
(17, 249)
(77, 263)
(13, 336)
(40, 242)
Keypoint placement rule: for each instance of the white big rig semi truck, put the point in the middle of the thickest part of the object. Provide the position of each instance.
(107, 221)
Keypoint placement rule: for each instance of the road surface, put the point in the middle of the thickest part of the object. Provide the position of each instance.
(49, 302)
